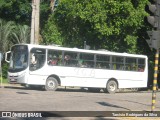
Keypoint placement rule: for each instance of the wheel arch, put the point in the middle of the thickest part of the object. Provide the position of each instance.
(56, 77)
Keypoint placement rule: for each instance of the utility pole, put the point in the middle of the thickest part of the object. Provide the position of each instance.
(154, 42)
(1, 57)
(32, 23)
(35, 22)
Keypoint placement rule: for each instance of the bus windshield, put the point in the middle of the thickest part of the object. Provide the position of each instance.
(19, 58)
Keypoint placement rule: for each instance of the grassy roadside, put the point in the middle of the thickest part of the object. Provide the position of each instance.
(4, 80)
(6, 83)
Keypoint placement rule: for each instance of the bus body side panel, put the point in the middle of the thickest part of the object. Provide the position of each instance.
(35, 79)
(82, 77)
(87, 77)
(125, 79)
(132, 80)
(71, 76)
(38, 77)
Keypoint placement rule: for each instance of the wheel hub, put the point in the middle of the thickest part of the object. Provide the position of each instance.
(112, 87)
(51, 84)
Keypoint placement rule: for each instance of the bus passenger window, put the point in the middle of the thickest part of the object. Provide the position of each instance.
(54, 57)
(33, 62)
(67, 60)
(98, 65)
(131, 64)
(33, 59)
(117, 63)
(37, 58)
(88, 60)
(70, 59)
(134, 67)
(141, 69)
(141, 64)
(53, 60)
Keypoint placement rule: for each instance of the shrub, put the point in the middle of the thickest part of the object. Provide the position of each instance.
(5, 67)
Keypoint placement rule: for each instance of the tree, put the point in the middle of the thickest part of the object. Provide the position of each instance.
(20, 11)
(110, 24)
(16, 10)
(21, 34)
(51, 34)
(5, 34)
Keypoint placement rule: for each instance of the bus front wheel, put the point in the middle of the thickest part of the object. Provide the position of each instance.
(111, 87)
(51, 84)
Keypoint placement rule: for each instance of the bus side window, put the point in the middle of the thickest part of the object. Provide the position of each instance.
(37, 58)
(118, 62)
(102, 61)
(88, 60)
(131, 64)
(114, 66)
(54, 57)
(67, 60)
(60, 60)
(33, 62)
(98, 65)
(53, 60)
(141, 65)
(134, 67)
(70, 59)
(33, 59)
(141, 69)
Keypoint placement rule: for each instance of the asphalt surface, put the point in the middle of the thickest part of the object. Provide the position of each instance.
(15, 98)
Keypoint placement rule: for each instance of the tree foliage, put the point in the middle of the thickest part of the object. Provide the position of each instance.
(16, 10)
(115, 25)
(51, 34)
(5, 34)
(109, 24)
(20, 11)
(21, 34)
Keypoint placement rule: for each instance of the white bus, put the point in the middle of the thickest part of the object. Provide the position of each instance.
(52, 66)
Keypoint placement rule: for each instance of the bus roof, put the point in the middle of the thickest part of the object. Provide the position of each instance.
(101, 51)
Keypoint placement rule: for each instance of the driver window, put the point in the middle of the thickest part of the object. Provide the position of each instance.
(37, 58)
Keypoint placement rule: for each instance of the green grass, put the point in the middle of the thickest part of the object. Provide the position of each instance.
(4, 80)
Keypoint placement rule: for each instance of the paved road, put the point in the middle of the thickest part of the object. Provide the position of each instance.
(71, 99)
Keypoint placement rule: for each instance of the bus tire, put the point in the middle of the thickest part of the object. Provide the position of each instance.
(111, 87)
(51, 84)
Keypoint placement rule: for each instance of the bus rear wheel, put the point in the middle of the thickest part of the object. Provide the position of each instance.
(111, 87)
(51, 84)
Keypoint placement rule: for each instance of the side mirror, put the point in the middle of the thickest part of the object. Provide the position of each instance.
(7, 56)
